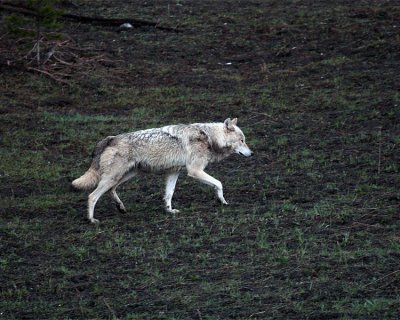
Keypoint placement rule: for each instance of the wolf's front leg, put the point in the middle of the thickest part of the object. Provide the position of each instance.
(207, 179)
(169, 191)
(220, 195)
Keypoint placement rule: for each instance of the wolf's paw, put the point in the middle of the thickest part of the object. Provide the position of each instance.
(121, 208)
(172, 210)
(95, 221)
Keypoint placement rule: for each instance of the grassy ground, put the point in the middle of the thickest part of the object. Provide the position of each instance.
(312, 228)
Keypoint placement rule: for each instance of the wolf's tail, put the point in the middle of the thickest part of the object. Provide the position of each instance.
(89, 180)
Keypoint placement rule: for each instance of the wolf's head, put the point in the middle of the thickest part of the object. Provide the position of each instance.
(235, 138)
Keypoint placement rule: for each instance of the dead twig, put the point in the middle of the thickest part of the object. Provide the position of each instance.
(59, 58)
(62, 61)
(109, 308)
(381, 278)
(379, 149)
(49, 54)
(48, 74)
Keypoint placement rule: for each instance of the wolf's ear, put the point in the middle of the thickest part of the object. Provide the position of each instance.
(229, 124)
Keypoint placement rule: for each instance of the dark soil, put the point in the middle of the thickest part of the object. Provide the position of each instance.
(312, 226)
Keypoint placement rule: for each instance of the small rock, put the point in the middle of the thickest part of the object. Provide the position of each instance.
(125, 26)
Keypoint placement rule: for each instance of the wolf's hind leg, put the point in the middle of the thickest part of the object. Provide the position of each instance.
(118, 202)
(169, 191)
(105, 184)
(211, 181)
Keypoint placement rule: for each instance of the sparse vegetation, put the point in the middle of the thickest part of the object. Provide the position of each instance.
(44, 19)
(312, 228)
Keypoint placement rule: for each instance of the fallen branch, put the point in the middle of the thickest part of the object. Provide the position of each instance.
(20, 8)
(116, 21)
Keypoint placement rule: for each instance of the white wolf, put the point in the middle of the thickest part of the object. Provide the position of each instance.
(117, 159)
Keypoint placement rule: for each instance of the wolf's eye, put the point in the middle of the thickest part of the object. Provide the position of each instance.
(242, 141)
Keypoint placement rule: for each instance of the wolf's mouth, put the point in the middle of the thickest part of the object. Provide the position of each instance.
(246, 155)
